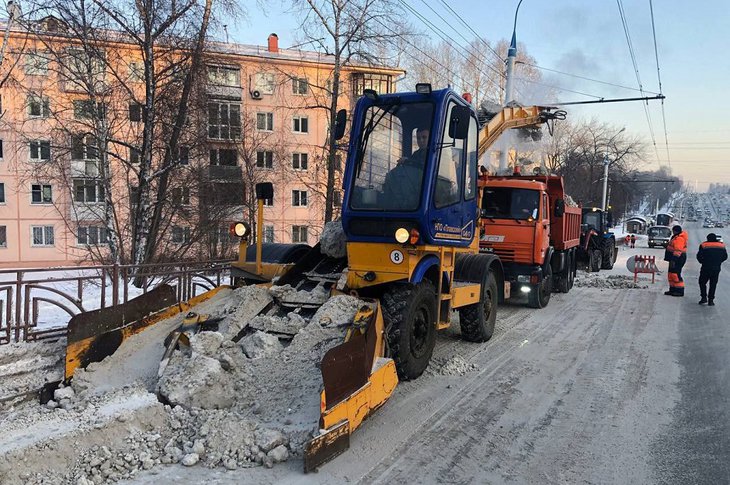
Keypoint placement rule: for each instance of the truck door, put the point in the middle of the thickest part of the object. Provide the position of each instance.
(544, 221)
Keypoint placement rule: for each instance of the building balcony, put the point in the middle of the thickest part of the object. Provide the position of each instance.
(224, 92)
(224, 172)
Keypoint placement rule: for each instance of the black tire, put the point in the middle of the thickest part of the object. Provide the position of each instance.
(477, 320)
(607, 256)
(409, 312)
(539, 295)
(571, 270)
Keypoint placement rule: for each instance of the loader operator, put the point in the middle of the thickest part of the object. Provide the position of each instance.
(711, 255)
(402, 185)
(676, 254)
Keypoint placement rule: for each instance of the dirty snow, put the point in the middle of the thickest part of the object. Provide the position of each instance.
(224, 403)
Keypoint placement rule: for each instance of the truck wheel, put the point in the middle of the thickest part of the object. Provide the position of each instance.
(409, 312)
(477, 320)
(540, 294)
(607, 257)
(571, 270)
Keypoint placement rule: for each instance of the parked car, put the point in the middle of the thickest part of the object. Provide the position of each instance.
(659, 236)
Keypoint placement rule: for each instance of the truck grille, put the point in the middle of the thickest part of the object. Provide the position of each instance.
(505, 254)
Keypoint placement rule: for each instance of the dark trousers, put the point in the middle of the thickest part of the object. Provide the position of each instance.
(712, 276)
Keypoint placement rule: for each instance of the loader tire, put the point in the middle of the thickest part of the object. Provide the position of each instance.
(594, 260)
(477, 320)
(409, 312)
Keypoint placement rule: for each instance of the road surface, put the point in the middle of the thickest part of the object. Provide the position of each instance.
(602, 386)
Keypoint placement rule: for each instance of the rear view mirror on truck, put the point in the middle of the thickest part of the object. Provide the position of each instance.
(559, 207)
(340, 124)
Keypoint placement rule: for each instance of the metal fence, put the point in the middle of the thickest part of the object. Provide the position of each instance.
(37, 303)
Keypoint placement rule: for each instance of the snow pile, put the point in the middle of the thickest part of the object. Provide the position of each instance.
(333, 242)
(617, 282)
(450, 366)
(27, 366)
(226, 403)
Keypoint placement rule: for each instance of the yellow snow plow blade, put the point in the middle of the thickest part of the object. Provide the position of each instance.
(96, 334)
(357, 379)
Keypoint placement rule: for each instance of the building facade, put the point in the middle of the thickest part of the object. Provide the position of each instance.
(263, 119)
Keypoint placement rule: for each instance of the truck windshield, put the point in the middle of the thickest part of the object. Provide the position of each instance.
(391, 157)
(507, 203)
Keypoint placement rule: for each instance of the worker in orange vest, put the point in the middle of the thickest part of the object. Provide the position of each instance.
(676, 254)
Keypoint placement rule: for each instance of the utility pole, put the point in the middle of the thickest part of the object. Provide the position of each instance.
(508, 87)
(605, 181)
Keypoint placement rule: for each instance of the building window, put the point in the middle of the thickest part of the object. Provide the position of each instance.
(39, 107)
(86, 109)
(180, 235)
(183, 155)
(300, 124)
(88, 191)
(181, 196)
(1, 144)
(224, 76)
(265, 121)
(299, 161)
(299, 234)
(299, 198)
(80, 63)
(40, 151)
(224, 121)
(41, 194)
(36, 64)
(224, 156)
(268, 234)
(264, 159)
(91, 235)
(135, 112)
(136, 72)
(300, 85)
(3, 237)
(264, 82)
(2, 193)
(42, 235)
(84, 147)
(135, 155)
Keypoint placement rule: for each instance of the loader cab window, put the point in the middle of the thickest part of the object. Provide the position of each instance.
(507, 203)
(391, 157)
(472, 156)
(448, 186)
(593, 220)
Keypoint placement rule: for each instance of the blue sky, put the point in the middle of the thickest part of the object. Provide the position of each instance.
(586, 38)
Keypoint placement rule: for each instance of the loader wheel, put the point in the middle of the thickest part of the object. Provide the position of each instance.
(539, 297)
(477, 320)
(608, 257)
(409, 312)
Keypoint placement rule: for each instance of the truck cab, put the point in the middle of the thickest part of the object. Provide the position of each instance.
(525, 221)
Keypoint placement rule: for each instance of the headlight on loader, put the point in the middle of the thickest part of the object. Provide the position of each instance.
(402, 235)
(240, 229)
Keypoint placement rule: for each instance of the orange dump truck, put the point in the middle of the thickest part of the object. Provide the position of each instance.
(527, 223)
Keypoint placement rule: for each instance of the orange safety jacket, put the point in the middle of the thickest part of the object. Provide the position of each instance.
(678, 244)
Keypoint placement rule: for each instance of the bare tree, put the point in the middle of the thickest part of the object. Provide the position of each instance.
(350, 31)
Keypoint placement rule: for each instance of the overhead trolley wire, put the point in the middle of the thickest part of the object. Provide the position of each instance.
(659, 79)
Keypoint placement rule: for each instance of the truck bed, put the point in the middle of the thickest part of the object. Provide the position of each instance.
(565, 231)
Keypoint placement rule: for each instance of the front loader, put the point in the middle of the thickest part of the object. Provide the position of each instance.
(410, 219)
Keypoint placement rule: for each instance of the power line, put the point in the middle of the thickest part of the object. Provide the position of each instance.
(632, 54)
(587, 78)
(659, 78)
(461, 19)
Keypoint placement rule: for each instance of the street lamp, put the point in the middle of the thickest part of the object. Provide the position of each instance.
(511, 56)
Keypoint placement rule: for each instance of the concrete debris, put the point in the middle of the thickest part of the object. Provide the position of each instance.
(261, 344)
(612, 281)
(196, 381)
(333, 242)
(317, 296)
(206, 343)
(569, 201)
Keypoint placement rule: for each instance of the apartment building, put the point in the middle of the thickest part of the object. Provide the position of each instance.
(262, 121)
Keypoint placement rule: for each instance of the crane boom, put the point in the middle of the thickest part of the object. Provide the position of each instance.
(511, 117)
